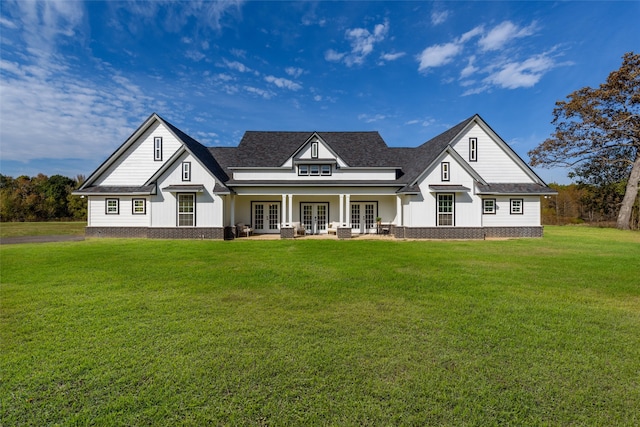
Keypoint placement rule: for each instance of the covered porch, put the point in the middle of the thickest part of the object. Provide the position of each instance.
(342, 215)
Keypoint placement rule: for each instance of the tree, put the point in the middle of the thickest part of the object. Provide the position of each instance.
(598, 128)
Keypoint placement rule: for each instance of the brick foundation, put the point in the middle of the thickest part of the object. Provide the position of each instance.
(343, 233)
(214, 233)
(287, 232)
(466, 232)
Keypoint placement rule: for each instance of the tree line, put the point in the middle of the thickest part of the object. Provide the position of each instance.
(582, 203)
(41, 198)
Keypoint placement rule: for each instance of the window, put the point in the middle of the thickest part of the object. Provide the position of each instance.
(112, 207)
(489, 206)
(314, 150)
(186, 210)
(473, 149)
(445, 209)
(157, 148)
(314, 170)
(186, 171)
(139, 207)
(444, 171)
(517, 207)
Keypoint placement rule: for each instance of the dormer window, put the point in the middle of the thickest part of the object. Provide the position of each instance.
(314, 150)
(315, 170)
(157, 148)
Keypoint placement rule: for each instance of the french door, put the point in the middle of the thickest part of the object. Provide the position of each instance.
(363, 217)
(265, 217)
(314, 217)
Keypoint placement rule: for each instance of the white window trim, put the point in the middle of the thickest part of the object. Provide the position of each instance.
(314, 170)
(517, 206)
(452, 213)
(304, 172)
(325, 170)
(492, 211)
(144, 207)
(193, 214)
(113, 210)
(314, 150)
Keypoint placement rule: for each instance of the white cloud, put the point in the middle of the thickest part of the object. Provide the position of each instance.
(362, 42)
(239, 53)
(502, 34)
(392, 56)
(439, 17)
(7, 23)
(195, 55)
(283, 83)
(470, 34)
(438, 55)
(260, 92)
(370, 119)
(238, 66)
(333, 56)
(294, 72)
(527, 73)
(317, 98)
(469, 69)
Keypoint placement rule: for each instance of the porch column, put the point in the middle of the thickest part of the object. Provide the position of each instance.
(284, 210)
(290, 209)
(341, 205)
(232, 210)
(398, 211)
(347, 219)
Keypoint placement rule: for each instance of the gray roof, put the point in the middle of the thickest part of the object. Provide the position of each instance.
(357, 149)
(514, 189)
(118, 190)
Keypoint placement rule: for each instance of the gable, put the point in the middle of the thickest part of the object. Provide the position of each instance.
(494, 160)
(137, 162)
(315, 149)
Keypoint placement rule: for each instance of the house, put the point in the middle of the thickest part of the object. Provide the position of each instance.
(464, 183)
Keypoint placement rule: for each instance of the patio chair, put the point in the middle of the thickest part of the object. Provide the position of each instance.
(242, 228)
(298, 229)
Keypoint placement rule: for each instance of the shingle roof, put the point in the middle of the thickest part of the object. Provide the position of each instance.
(514, 188)
(115, 190)
(200, 151)
(272, 149)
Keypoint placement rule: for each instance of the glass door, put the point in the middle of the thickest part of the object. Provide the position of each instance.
(265, 217)
(363, 217)
(315, 217)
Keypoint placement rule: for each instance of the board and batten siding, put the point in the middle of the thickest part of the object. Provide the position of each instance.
(209, 207)
(125, 217)
(504, 218)
(422, 209)
(136, 165)
(493, 163)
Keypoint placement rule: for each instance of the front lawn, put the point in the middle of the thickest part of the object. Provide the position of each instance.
(20, 229)
(323, 332)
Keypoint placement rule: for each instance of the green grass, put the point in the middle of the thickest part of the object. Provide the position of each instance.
(323, 332)
(19, 229)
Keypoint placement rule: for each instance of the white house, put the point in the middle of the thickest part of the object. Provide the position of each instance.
(464, 183)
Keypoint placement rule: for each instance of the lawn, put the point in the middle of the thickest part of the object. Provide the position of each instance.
(19, 229)
(323, 332)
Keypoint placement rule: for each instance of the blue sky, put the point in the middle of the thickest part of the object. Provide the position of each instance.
(77, 78)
